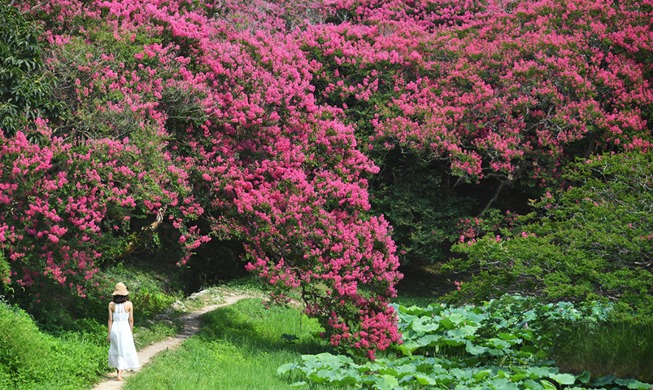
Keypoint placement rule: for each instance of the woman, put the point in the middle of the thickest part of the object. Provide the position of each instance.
(122, 352)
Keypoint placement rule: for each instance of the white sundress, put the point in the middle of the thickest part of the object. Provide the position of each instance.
(122, 352)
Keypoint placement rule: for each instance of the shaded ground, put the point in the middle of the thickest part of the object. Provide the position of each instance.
(425, 283)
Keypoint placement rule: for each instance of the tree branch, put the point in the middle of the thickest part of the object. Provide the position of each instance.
(494, 198)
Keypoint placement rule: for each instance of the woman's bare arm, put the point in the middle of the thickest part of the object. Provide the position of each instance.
(110, 320)
(131, 316)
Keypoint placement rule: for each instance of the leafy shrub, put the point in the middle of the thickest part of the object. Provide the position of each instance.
(25, 89)
(514, 329)
(590, 241)
(152, 287)
(152, 302)
(5, 269)
(420, 207)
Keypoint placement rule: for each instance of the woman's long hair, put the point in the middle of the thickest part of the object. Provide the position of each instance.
(120, 298)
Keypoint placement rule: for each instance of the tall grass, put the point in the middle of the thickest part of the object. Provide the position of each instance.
(239, 347)
(623, 349)
(31, 359)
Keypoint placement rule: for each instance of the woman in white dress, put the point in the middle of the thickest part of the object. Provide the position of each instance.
(122, 352)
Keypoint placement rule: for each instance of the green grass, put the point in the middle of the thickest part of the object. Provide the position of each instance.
(31, 359)
(621, 349)
(239, 347)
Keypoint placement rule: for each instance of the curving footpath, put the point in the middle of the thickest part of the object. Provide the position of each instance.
(191, 323)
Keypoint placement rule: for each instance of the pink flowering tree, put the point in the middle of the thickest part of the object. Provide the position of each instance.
(291, 127)
(203, 114)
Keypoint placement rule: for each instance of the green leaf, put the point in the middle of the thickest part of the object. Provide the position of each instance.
(452, 320)
(498, 343)
(563, 379)
(424, 325)
(548, 385)
(454, 342)
(475, 350)
(532, 385)
(429, 340)
(286, 368)
(538, 372)
(606, 380)
(503, 384)
(423, 379)
(318, 377)
(387, 382)
(479, 376)
(507, 336)
(463, 332)
(633, 384)
(407, 348)
(584, 377)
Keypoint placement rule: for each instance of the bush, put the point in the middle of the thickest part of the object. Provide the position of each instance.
(25, 90)
(148, 284)
(590, 241)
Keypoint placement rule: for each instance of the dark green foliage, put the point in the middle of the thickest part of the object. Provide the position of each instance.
(150, 289)
(216, 261)
(25, 90)
(422, 209)
(5, 268)
(592, 240)
(429, 209)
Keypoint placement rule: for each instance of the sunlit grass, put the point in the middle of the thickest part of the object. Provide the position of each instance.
(239, 347)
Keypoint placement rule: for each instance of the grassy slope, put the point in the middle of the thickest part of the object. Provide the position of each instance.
(239, 347)
(31, 359)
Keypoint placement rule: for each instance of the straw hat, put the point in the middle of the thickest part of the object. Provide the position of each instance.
(121, 289)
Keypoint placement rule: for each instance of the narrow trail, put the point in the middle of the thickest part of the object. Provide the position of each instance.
(191, 324)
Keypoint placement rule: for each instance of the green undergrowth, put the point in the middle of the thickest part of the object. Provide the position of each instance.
(622, 349)
(56, 309)
(501, 344)
(31, 359)
(52, 339)
(239, 347)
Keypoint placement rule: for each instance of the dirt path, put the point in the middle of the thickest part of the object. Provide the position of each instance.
(191, 323)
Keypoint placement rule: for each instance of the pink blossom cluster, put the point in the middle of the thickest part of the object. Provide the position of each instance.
(497, 89)
(61, 204)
